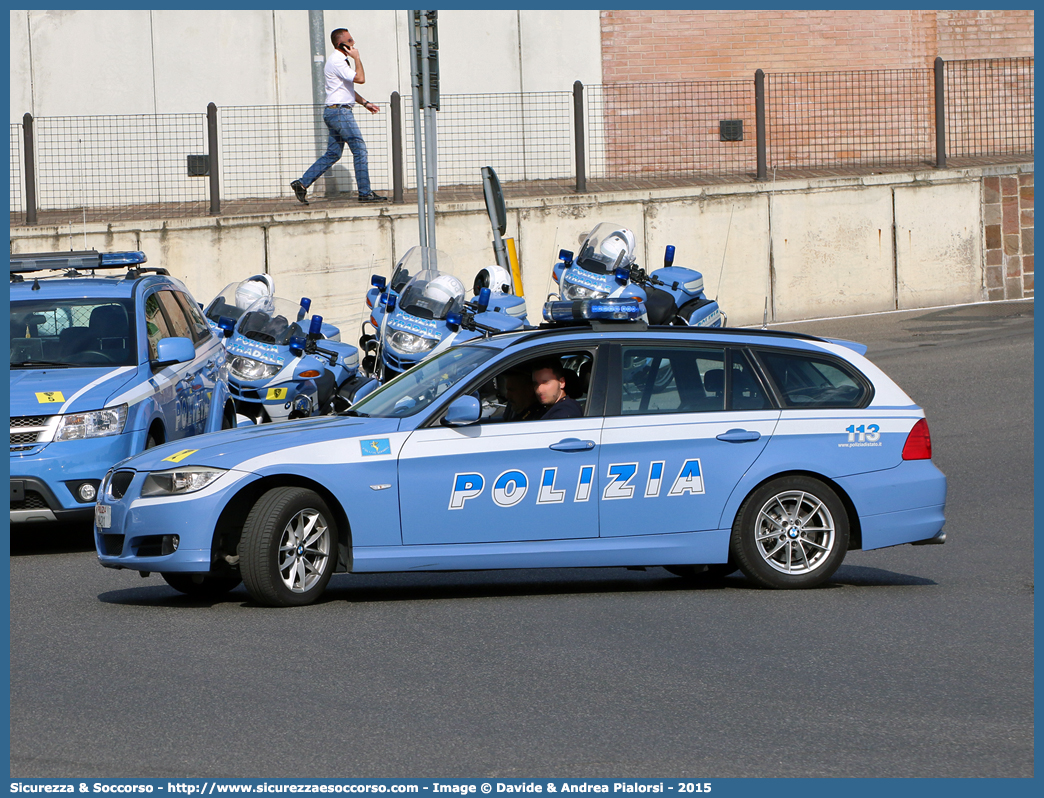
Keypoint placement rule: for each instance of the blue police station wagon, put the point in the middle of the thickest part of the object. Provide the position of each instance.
(108, 358)
(702, 451)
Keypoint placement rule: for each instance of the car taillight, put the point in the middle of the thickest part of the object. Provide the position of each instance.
(918, 443)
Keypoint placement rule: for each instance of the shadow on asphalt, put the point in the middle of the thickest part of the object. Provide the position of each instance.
(370, 588)
(45, 538)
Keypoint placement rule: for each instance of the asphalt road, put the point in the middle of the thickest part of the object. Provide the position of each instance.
(913, 661)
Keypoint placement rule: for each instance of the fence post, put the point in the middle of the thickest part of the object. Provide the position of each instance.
(940, 114)
(759, 123)
(396, 146)
(30, 169)
(578, 136)
(212, 160)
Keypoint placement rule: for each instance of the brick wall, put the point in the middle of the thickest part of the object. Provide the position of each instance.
(715, 45)
(1008, 225)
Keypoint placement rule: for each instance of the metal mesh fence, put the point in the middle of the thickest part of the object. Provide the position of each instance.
(667, 129)
(525, 136)
(17, 204)
(263, 149)
(989, 107)
(115, 162)
(856, 118)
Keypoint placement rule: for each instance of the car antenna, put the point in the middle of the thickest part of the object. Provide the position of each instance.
(721, 271)
(550, 274)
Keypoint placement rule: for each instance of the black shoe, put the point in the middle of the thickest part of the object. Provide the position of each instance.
(300, 191)
(372, 197)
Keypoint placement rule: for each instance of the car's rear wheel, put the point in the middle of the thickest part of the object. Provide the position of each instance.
(288, 549)
(792, 532)
(201, 585)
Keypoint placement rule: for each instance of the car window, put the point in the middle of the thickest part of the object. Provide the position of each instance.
(200, 328)
(510, 393)
(745, 389)
(155, 324)
(73, 332)
(673, 379)
(179, 323)
(810, 381)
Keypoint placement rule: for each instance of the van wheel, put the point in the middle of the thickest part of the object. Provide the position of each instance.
(287, 552)
(792, 532)
(201, 585)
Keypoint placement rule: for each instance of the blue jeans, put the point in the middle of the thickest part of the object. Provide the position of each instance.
(343, 130)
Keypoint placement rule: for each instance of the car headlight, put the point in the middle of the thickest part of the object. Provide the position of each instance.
(246, 368)
(572, 292)
(410, 344)
(178, 481)
(93, 424)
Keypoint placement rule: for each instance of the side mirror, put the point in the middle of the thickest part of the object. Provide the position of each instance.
(462, 411)
(227, 325)
(173, 350)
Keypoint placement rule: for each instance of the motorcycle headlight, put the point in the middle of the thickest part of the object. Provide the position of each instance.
(246, 368)
(178, 481)
(572, 292)
(410, 344)
(94, 424)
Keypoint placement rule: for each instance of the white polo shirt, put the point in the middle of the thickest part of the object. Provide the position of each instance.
(340, 80)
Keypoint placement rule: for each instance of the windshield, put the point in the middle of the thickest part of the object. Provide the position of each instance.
(272, 320)
(432, 295)
(607, 247)
(416, 260)
(235, 298)
(73, 333)
(415, 389)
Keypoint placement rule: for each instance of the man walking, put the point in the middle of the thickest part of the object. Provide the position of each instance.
(341, 78)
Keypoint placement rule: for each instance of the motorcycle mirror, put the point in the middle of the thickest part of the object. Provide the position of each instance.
(227, 325)
(297, 345)
(380, 282)
(668, 256)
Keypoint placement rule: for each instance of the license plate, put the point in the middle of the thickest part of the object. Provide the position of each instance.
(102, 516)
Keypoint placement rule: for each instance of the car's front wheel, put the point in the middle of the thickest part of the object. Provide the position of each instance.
(288, 548)
(201, 585)
(792, 532)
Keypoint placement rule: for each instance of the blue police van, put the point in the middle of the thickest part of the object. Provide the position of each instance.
(108, 358)
(704, 451)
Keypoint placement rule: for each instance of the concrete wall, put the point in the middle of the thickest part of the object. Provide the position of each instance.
(807, 248)
(72, 63)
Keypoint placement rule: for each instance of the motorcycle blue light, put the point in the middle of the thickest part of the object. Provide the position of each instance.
(391, 303)
(566, 257)
(384, 299)
(227, 325)
(622, 275)
(297, 345)
(668, 255)
(316, 327)
(380, 282)
(306, 303)
(122, 258)
(483, 300)
(453, 321)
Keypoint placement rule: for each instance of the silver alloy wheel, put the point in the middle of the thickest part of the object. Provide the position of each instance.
(304, 548)
(794, 532)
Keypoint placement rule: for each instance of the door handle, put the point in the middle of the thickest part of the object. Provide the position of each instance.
(739, 436)
(573, 445)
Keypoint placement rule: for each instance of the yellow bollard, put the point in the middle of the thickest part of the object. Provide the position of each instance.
(516, 270)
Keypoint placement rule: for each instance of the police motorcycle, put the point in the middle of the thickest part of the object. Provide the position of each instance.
(422, 311)
(606, 267)
(278, 370)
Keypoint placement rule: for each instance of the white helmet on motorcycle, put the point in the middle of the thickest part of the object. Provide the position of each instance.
(495, 278)
(620, 240)
(253, 289)
(444, 289)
